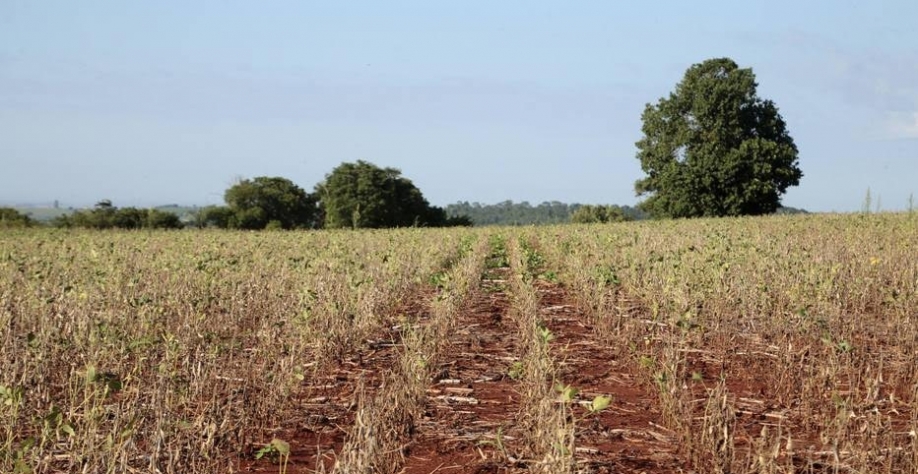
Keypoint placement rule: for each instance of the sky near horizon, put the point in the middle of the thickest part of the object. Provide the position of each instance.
(149, 103)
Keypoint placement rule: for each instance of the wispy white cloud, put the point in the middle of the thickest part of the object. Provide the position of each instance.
(873, 91)
(901, 125)
(864, 77)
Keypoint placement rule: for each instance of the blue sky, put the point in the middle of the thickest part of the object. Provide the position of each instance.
(149, 103)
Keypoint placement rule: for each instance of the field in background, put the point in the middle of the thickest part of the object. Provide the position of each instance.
(779, 344)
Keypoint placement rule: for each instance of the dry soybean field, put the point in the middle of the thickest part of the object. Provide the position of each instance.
(760, 345)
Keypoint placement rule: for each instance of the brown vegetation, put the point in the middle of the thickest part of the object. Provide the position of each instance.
(743, 345)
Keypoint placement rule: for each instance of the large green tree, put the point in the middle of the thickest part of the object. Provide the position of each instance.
(256, 203)
(715, 148)
(363, 195)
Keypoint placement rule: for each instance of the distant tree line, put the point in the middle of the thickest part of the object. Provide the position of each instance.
(106, 216)
(600, 215)
(524, 213)
(362, 195)
(353, 195)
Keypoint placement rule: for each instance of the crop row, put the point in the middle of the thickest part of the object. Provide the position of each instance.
(178, 352)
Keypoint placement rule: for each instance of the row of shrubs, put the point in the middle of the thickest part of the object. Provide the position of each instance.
(103, 216)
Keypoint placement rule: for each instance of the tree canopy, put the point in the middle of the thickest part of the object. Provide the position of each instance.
(714, 147)
(363, 195)
(259, 202)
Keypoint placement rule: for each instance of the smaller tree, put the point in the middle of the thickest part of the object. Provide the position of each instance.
(256, 202)
(157, 219)
(101, 216)
(363, 195)
(459, 221)
(10, 217)
(213, 216)
(129, 218)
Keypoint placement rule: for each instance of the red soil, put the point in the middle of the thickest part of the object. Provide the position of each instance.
(472, 402)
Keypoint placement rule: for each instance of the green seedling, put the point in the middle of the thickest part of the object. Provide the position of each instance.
(600, 403)
(607, 276)
(10, 396)
(278, 450)
(111, 382)
(550, 276)
(440, 280)
(568, 393)
(20, 457)
(842, 346)
(516, 371)
(497, 442)
(55, 422)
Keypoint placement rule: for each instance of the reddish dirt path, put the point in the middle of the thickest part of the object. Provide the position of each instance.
(626, 437)
(459, 438)
(629, 438)
(471, 399)
(323, 413)
(318, 425)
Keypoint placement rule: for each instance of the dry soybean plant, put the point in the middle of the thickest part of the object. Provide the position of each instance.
(545, 422)
(385, 422)
(179, 352)
(810, 317)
